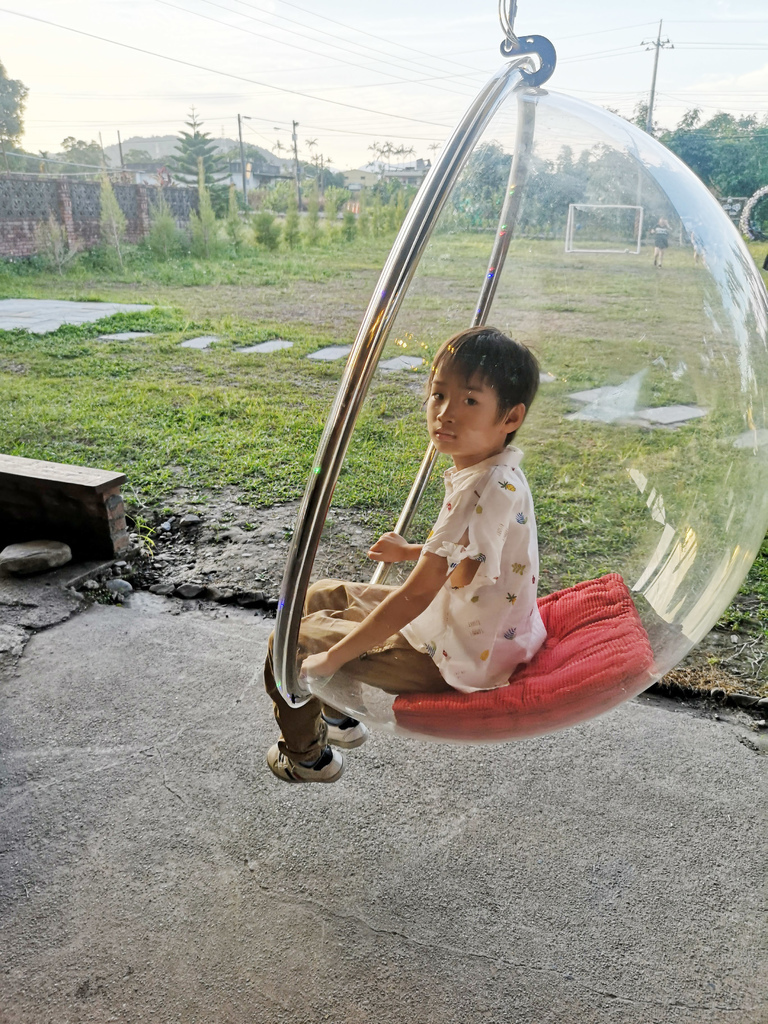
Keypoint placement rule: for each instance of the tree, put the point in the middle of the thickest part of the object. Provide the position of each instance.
(205, 232)
(729, 154)
(192, 147)
(140, 156)
(84, 155)
(13, 96)
(112, 218)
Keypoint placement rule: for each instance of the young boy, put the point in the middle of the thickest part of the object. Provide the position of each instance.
(467, 614)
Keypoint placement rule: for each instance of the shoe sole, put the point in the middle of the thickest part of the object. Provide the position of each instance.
(337, 739)
(288, 777)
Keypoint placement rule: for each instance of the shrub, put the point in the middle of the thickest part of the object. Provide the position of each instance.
(53, 245)
(349, 226)
(291, 229)
(266, 231)
(205, 230)
(111, 219)
(164, 238)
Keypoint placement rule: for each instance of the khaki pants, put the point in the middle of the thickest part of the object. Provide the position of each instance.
(332, 609)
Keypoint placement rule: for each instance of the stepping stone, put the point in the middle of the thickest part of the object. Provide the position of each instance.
(205, 341)
(125, 336)
(609, 404)
(752, 439)
(328, 355)
(593, 395)
(43, 315)
(267, 346)
(403, 363)
(671, 414)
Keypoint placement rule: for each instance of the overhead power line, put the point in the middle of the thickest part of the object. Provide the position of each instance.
(216, 71)
(361, 31)
(399, 61)
(281, 42)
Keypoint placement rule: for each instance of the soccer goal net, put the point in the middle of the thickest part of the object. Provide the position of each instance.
(595, 228)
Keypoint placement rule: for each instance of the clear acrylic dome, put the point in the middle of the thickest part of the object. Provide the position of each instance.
(647, 446)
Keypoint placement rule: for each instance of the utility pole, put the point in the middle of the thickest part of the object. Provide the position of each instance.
(656, 45)
(296, 161)
(103, 154)
(240, 119)
(120, 147)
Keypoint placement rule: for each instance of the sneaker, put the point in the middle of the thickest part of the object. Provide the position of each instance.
(327, 768)
(345, 732)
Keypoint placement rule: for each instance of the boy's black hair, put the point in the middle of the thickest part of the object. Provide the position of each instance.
(507, 366)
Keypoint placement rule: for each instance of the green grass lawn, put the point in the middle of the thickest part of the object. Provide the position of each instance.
(171, 417)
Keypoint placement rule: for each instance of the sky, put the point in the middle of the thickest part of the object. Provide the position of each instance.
(352, 74)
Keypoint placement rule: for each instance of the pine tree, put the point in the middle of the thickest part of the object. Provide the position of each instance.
(196, 145)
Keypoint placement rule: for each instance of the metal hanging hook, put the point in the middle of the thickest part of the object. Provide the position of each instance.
(515, 46)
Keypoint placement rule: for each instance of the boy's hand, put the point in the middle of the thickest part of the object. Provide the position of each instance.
(320, 665)
(391, 547)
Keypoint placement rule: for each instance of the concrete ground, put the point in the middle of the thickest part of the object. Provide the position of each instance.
(43, 315)
(151, 868)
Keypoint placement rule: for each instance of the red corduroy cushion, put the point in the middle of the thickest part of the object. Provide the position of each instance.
(596, 655)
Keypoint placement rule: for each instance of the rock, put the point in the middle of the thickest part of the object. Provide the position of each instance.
(189, 590)
(90, 585)
(763, 703)
(120, 565)
(250, 598)
(744, 700)
(163, 589)
(119, 588)
(215, 594)
(12, 639)
(34, 556)
(272, 604)
(189, 520)
(167, 526)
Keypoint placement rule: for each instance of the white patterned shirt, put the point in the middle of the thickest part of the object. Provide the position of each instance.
(478, 634)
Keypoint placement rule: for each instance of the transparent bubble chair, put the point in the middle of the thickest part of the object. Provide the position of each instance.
(647, 447)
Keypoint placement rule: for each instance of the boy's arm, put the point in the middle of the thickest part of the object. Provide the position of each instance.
(395, 611)
(391, 547)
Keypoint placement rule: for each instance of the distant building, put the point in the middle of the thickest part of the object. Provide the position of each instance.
(360, 178)
(255, 174)
(408, 174)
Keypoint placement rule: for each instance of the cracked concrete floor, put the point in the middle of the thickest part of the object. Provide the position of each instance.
(152, 868)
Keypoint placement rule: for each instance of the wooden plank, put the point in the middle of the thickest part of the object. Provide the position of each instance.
(59, 473)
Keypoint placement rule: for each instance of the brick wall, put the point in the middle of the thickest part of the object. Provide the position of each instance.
(27, 202)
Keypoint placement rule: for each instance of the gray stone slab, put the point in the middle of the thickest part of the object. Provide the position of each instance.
(153, 869)
(40, 316)
(404, 363)
(752, 439)
(668, 415)
(276, 345)
(331, 353)
(593, 395)
(126, 336)
(204, 341)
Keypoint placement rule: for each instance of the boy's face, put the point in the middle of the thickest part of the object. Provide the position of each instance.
(463, 418)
